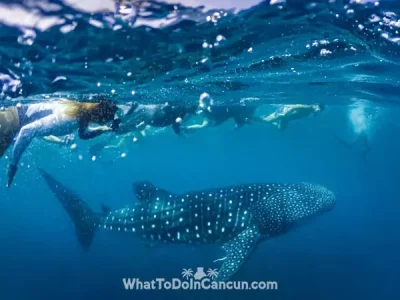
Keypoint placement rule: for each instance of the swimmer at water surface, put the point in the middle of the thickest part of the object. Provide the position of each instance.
(281, 117)
(215, 115)
(55, 118)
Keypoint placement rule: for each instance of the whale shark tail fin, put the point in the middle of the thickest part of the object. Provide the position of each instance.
(82, 216)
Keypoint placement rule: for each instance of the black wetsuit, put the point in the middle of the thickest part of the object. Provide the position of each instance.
(157, 115)
(242, 114)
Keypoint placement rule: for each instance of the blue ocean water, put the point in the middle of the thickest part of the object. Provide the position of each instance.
(344, 54)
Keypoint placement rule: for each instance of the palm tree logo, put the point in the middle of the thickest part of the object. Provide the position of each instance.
(212, 273)
(186, 273)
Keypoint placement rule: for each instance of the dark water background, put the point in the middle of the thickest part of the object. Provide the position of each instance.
(350, 253)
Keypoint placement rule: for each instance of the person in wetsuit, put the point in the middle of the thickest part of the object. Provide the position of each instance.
(55, 118)
(134, 119)
(215, 115)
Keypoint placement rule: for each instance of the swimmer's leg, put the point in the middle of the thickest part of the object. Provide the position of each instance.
(195, 127)
(9, 126)
(42, 127)
(242, 120)
(283, 125)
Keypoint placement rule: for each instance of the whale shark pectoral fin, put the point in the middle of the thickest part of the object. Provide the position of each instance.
(238, 250)
(146, 191)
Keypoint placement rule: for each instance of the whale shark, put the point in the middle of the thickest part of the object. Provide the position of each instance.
(238, 217)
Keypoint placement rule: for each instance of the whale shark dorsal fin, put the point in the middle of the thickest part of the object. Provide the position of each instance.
(238, 250)
(146, 191)
(106, 209)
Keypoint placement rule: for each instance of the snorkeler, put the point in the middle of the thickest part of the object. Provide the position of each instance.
(215, 115)
(56, 118)
(134, 120)
(287, 113)
(136, 117)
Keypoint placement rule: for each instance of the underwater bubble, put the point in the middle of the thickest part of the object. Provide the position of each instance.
(325, 52)
(112, 91)
(59, 78)
(350, 13)
(93, 157)
(123, 155)
(73, 146)
(219, 38)
(98, 84)
(80, 157)
(68, 28)
(27, 38)
(96, 23)
(250, 50)
(133, 93)
(126, 9)
(374, 18)
(205, 45)
(129, 74)
(215, 17)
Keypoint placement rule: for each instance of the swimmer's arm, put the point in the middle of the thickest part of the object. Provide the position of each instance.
(120, 142)
(198, 126)
(87, 133)
(65, 140)
(53, 139)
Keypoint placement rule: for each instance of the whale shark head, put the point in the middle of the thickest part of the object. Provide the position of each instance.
(292, 205)
(307, 201)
